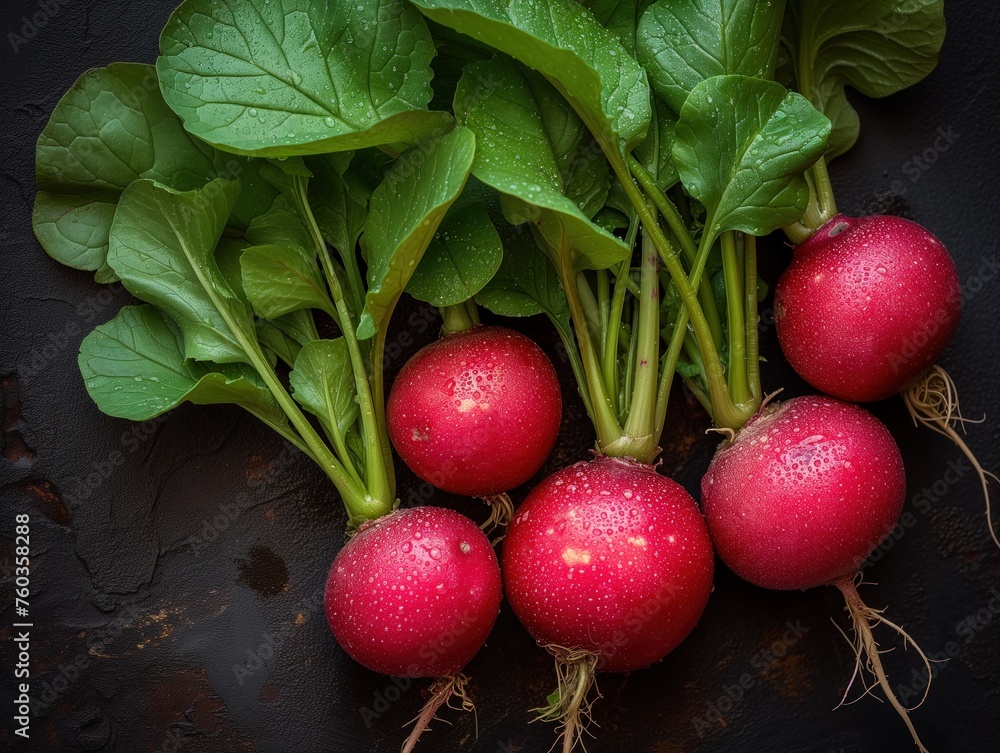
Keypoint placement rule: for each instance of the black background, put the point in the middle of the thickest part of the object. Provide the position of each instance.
(147, 639)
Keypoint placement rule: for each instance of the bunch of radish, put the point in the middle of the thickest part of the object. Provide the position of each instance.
(611, 170)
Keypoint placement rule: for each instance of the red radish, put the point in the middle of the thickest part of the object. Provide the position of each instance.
(800, 498)
(609, 566)
(866, 306)
(477, 412)
(415, 594)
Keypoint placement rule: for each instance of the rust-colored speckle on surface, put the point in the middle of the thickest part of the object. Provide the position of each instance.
(49, 502)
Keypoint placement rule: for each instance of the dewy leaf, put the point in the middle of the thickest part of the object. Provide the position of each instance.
(656, 152)
(878, 47)
(404, 214)
(323, 383)
(111, 128)
(683, 42)
(134, 368)
(464, 254)
(741, 147)
(564, 42)
(162, 247)
(339, 206)
(284, 77)
(280, 279)
(526, 283)
(529, 143)
(621, 17)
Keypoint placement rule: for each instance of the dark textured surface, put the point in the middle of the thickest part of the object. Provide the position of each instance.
(178, 565)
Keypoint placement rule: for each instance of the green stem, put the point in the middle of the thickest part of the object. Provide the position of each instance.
(611, 371)
(575, 362)
(633, 347)
(605, 423)
(360, 506)
(377, 360)
(804, 73)
(677, 226)
(458, 318)
(670, 212)
(604, 310)
(677, 338)
(591, 308)
(726, 412)
(736, 373)
(640, 442)
(333, 433)
(824, 189)
(753, 349)
(377, 474)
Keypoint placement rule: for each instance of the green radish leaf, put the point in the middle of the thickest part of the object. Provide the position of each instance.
(281, 225)
(741, 147)
(656, 152)
(162, 248)
(878, 47)
(684, 42)
(454, 51)
(281, 279)
(464, 254)
(299, 325)
(339, 203)
(285, 335)
(611, 219)
(134, 368)
(323, 383)
(526, 283)
(110, 129)
(403, 216)
(846, 125)
(256, 194)
(227, 255)
(620, 17)
(276, 342)
(284, 77)
(531, 146)
(564, 42)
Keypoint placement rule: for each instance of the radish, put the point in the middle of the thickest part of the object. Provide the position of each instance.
(866, 306)
(415, 594)
(800, 497)
(476, 413)
(863, 312)
(609, 566)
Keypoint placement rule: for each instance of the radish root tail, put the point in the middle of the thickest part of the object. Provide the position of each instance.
(933, 402)
(570, 706)
(449, 692)
(501, 513)
(867, 653)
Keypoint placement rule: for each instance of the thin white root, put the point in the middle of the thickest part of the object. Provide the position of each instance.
(867, 653)
(444, 692)
(933, 402)
(570, 706)
(501, 513)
